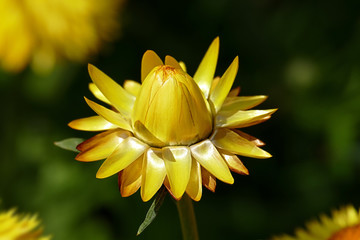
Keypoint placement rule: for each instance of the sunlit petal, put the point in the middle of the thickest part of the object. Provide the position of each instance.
(169, 60)
(221, 90)
(208, 156)
(253, 139)
(109, 115)
(149, 61)
(130, 178)
(208, 180)
(153, 173)
(94, 123)
(178, 167)
(97, 93)
(206, 70)
(122, 100)
(126, 153)
(234, 104)
(241, 118)
(132, 87)
(194, 187)
(183, 66)
(101, 145)
(234, 143)
(234, 163)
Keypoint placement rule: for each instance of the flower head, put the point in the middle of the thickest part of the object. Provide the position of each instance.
(41, 32)
(343, 225)
(173, 129)
(16, 227)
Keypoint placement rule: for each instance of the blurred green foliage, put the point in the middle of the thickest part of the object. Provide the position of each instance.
(305, 55)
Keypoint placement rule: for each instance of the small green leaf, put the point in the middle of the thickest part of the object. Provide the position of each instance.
(153, 210)
(69, 144)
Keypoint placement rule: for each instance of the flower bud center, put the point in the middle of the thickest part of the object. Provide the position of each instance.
(171, 109)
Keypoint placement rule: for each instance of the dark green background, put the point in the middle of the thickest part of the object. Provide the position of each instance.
(305, 55)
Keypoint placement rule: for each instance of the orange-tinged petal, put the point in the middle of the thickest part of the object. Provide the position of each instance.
(94, 123)
(214, 83)
(241, 118)
(169, 60)
(208, 180)
(205, 73)
(101, 145)
(234, 163)
(153, 173)
(253, 139)
(149, 61)
(232, 142)
(132, 87)
(127, 152)
(194, 187)
(178, 166)
(221, 90)
(130, 178)
(234, 104)
(233, 93)
(97, 93)
(208, 156)
(122, 100)
(109, 115)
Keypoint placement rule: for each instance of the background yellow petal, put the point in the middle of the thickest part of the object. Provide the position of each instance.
(208, 180)
(132, 87)
(153, 173)
(233, 93)
(208, 156)
(234, 143)
(242, 103)
(194, 187)
(221, 90)
(205, 73)
(253, 139)
(234, 163)
(109, 115)
(94, 123)
(183, 66)
(178, 166)
(119, 97)
(130, 178)
(169, 60)
(97, 93)
(101, 145)
(126, 153)
(241, 118)
(149, 60)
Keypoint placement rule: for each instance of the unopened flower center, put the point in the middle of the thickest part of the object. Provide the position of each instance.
(171, 109)
(349, 233)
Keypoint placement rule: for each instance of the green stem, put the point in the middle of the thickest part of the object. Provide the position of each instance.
(187, 218)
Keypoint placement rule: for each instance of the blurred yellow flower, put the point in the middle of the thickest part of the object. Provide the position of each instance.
(173, 129)
(17, 227)
(41, 32)
(343, 225)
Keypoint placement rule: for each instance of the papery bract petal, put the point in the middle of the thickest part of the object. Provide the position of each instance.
(118, 96)
(126, 153)
(234, 163)
(149, 60)
(204, 75)
(221, 90)
(208, 156)
(169, 60)
(232, 142)
(241, 118)
(109, 115)
(153, 173)
(234, 104)
(208, 180)
(178, 167)
(194, 187)
(132, 87)
(93, 123)
(130, 178)
(97, 93)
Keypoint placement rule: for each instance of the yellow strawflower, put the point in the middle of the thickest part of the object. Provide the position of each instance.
(17, 227)
(172, 129)
(343, 225)
(42, 32)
